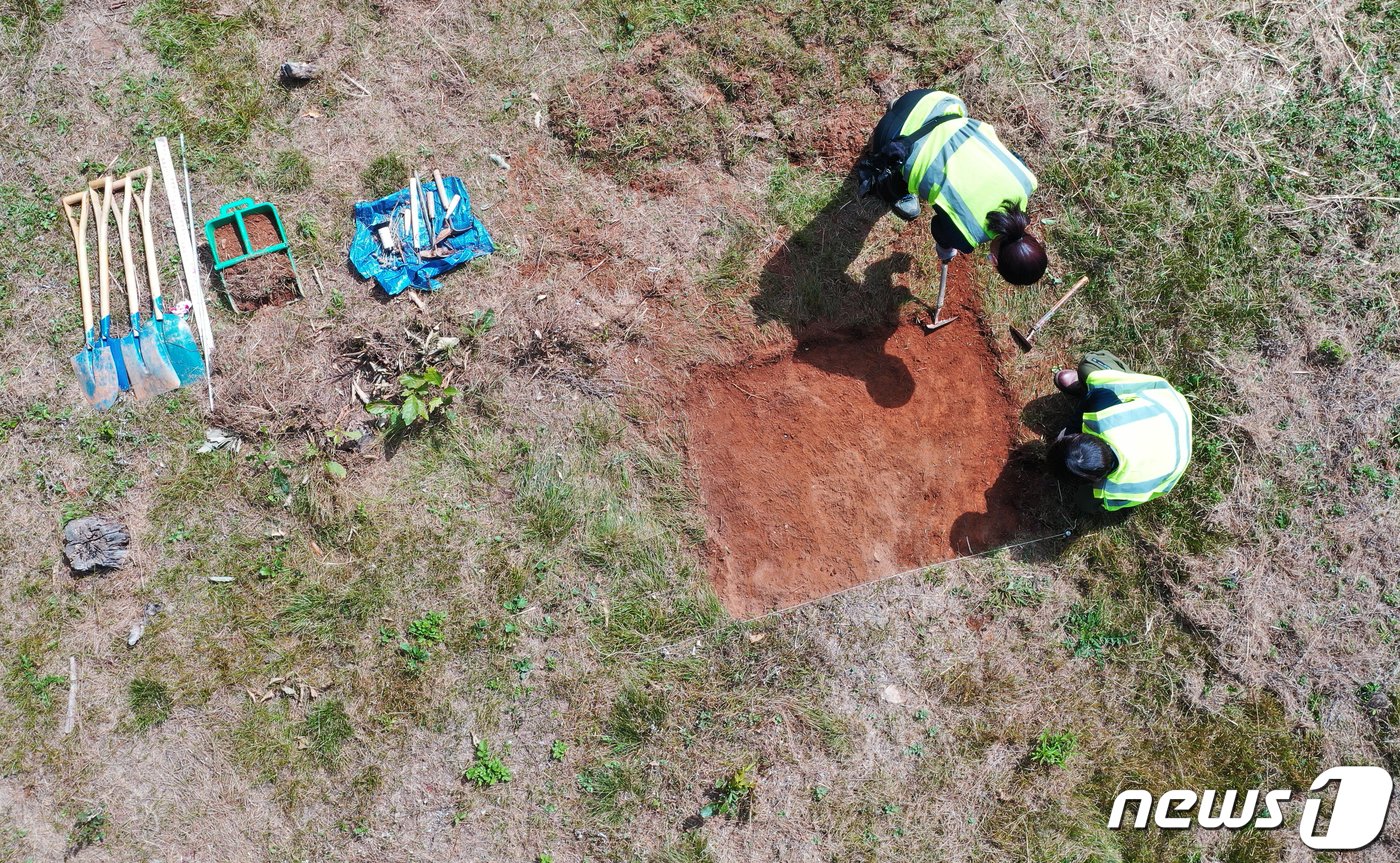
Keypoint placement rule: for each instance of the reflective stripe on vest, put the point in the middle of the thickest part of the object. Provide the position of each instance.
(962, 167)
(1149, 432)
(935, 104)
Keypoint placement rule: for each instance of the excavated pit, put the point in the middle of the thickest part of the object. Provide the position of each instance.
(854, 457)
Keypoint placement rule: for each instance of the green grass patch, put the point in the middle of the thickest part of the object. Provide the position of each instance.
(1089, 635)
(151, 702)
(229, 98)
(488, 769)
(28, 687)
(385, 174)
(291, 172)
(796, 195)
(328, 728)
(1053, 749)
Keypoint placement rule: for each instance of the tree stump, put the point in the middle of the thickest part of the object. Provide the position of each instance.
(94, 543)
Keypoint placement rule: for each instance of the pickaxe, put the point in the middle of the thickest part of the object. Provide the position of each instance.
(942, 294)
(1024, 341)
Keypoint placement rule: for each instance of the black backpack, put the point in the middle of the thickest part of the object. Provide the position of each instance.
(881, 173)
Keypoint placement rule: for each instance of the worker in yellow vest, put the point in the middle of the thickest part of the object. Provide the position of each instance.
(1134, 441)
(927, 148)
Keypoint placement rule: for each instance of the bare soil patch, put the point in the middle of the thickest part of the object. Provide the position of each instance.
(853, 457)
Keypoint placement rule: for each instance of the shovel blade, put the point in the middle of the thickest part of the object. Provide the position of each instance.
(177, 339)
(113, 346)
(97, 376)
(148, 371)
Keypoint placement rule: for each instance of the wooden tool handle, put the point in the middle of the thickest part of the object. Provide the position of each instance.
(101, 183)
(442, 192)
(148, 242)
(128, 264)
(79, 228)
(104, 299)
(1060, 302)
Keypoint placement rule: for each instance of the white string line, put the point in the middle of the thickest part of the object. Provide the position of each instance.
(1064, 534)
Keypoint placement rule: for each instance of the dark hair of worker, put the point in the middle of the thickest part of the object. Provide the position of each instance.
(1020, 258)
(1082, 457)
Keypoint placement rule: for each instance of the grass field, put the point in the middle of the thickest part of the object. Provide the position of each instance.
(493, 637)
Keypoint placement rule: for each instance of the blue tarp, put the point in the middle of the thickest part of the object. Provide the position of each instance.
(395, 271)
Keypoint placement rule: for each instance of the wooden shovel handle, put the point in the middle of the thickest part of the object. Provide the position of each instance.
(442, 192)
(148, 242)
(103, 265)
(101, 183)
(79, 228)
(133, 307)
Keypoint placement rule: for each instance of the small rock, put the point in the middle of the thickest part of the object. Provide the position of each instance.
(500, 161)
(93, 543)
(138, 628)
(1378, 703)
(299, 73)
(892, 695)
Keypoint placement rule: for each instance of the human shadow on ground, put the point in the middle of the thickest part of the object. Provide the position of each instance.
(1048, 415)
(807, 287)
(1021, 504)
(1027, 501)
(887, 378)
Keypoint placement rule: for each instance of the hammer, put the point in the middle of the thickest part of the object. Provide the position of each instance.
(1024, 341)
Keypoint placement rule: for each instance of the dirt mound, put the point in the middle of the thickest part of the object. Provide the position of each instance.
(854, 458)
(275, 375)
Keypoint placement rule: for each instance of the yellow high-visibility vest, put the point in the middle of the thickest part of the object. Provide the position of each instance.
(1149, 431)
(962, 167)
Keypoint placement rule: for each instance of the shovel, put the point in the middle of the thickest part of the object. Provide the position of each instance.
(97, 374)
(148, 369)
(104, 327)
(1024, 341)
(171, 330)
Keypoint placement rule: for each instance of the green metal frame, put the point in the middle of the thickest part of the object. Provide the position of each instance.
(235, 212)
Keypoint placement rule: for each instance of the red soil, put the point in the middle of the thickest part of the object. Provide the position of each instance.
(267, 280)
(852, 459)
